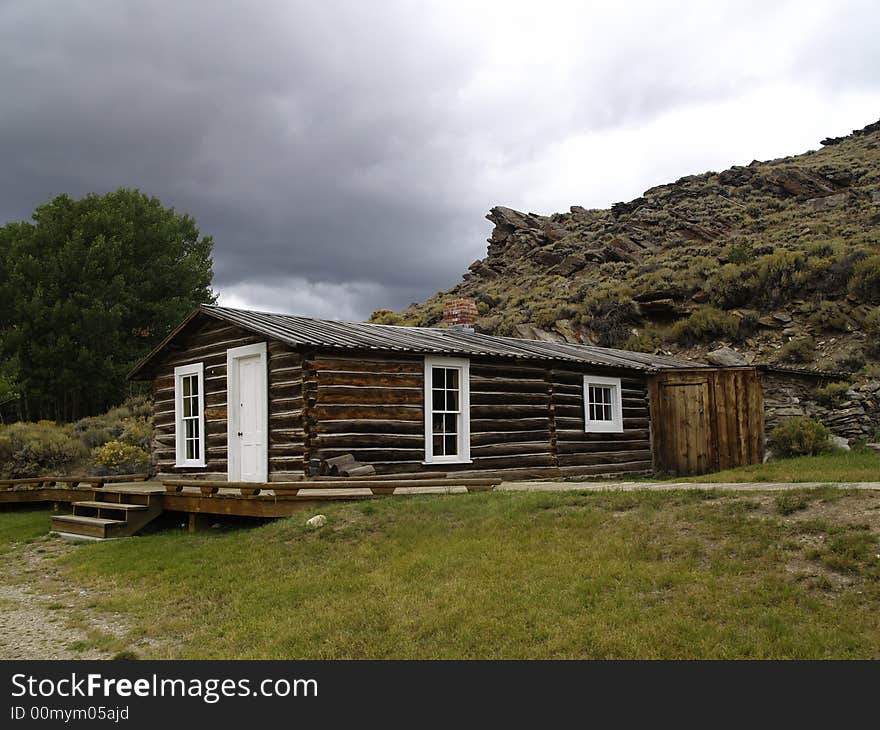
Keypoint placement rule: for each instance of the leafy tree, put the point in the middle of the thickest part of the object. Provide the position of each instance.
(89, 288)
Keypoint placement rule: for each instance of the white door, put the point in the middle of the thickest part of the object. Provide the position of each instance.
(247, 410)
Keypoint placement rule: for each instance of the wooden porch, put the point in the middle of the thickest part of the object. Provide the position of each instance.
(121, 506)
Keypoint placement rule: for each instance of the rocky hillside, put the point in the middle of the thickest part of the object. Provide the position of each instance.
(777, 260)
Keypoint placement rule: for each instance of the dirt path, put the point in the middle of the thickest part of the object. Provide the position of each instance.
(44, 617)
(658, 486)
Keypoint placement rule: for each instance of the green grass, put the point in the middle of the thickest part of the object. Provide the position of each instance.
(846, 466)
(648, 574)
(21, 526)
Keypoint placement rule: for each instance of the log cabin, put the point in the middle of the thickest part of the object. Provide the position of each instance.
(245, 396)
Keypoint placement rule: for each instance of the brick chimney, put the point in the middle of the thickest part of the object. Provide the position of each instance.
(460, 313)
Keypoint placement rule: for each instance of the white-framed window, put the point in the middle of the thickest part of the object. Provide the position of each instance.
(189, 412)
(447, 411)
(603, 406)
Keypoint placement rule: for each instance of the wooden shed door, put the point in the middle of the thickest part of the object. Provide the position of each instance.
(685, 435)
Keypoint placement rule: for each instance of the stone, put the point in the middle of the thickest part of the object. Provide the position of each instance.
(827, 202)
(839, 442)
(782, 316)
(570, 264)
(725, 357)
(317, 521)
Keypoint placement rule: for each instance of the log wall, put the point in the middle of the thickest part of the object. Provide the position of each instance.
(579, 452)
(207, 343)
(526, 419)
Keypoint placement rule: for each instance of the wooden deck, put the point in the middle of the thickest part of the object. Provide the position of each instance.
(93, 503)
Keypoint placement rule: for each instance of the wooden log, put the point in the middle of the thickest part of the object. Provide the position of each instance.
(370, 426)
(384, 483)
(494, 398)
(508, 449)
(353, 395)
(351, 441)
(584, 447)
(323, 364)
(604, 458)
(334, 464)
(372, 380)
(483, 425)
(371, 455)
(389, 477)
(343, 412)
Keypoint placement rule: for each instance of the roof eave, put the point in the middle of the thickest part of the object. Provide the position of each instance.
(135, 372)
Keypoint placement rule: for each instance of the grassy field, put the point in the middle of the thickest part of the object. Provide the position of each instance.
(845, 466)
(505, 575)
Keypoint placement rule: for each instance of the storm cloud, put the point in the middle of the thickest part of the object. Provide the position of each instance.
(343, 155)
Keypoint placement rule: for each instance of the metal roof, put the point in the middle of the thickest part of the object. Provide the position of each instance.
(333, 334)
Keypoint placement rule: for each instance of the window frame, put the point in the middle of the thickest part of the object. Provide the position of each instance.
(464, 410)
(181, 372)
(615, 425)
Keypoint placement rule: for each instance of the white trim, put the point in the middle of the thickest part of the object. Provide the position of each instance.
(464, 417)
(615, 425)
(179, 432)
(233, 452)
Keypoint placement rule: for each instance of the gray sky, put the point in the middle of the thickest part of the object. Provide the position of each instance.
(343, 154)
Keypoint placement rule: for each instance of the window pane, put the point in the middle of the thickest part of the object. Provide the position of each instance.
(451, 400)
(190, 449)
(438, 445)
(607, 412)
(439, 400)
(437, 379)
(194, 384)
(187, 407)
(451, 423)
(592, 411)
(185, 382)
(452, 378)
(438, 423)
(451, 445)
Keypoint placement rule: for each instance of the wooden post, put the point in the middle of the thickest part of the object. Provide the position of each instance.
(196, 522)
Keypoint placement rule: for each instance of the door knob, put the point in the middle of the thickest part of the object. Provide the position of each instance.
(240, 434)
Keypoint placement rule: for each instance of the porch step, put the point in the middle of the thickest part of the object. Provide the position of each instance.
(110, 505)
(109, 514)
(82, 525)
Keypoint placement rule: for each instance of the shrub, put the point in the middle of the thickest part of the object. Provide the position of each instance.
(850, 359)
(779, 274)
(829, 317)
(117, 457)
(96, 430)
(798, 350)
(800, 436)
(611, 318)
(32, 449)
(731, 286)
(386, 316)
(137, 432)
(865, 281)
(705, 324)
(871, 328)
(832, 394)
(645, 341)
(739, 252)
(110, 426)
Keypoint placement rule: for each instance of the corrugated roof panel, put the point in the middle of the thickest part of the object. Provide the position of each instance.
(305, 331)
